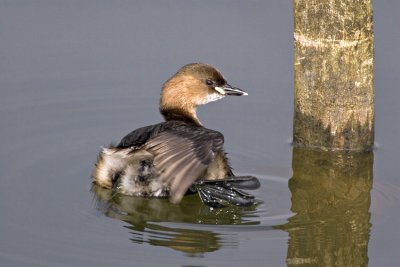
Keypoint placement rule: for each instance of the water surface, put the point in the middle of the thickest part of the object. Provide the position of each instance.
(77, 75)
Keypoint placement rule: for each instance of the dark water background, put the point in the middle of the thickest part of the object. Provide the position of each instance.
(76, 75)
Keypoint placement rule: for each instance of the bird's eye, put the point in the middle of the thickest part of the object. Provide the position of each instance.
(209, 82)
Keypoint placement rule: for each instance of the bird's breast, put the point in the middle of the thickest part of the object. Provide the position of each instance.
(218, 168)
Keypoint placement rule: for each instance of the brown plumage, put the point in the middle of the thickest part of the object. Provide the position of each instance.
(165, 159)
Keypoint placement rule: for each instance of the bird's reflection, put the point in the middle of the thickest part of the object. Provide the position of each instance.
(150, 220)
(331, 198)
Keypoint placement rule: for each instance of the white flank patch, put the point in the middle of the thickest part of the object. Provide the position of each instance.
(127, 162)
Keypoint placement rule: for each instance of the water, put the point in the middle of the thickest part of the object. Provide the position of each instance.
(76, 75)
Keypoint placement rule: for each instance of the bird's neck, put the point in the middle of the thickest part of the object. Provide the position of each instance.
(179, 100)
(177, 114)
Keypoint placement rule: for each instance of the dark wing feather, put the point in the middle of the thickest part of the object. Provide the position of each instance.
(140, 136)
(182, 155)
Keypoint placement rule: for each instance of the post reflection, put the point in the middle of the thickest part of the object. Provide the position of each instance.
(331, 199)
(149, 221)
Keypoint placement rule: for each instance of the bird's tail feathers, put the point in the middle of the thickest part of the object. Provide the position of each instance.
(110, 162)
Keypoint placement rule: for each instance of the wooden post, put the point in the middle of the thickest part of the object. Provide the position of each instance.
(333, 65)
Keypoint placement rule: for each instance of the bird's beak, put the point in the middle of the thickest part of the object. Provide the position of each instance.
(228, 89)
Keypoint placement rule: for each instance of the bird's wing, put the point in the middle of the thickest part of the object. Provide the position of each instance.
(182, 155)
(140, 136)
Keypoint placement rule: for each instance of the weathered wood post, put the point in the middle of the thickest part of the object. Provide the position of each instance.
(334, 113)
(333, 66)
